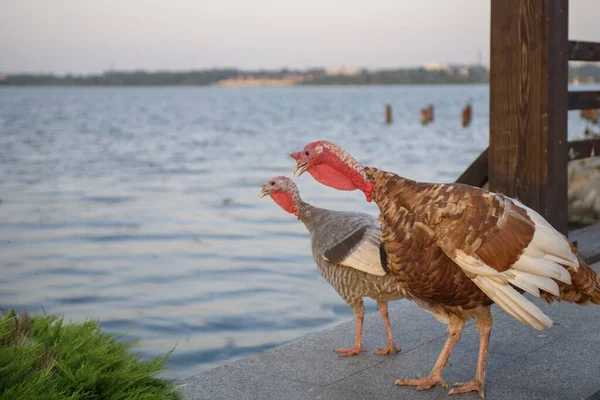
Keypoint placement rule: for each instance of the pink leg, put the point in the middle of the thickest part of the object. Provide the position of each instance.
(391, 346)
(358, 348)
(484, 326)
(435, 376)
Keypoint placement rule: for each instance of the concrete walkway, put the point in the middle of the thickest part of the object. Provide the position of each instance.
(562, 362)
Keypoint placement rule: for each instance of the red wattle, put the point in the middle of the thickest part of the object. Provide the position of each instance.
(328, 176)
(284, 199)
(369, 191)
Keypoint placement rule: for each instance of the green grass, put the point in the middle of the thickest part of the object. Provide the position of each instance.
(41, 357)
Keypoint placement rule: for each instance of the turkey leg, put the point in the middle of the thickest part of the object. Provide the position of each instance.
(391, 346)
(435, 376)
(358, 348)
(484, 326)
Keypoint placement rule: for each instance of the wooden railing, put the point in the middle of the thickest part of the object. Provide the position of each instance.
(529, 100)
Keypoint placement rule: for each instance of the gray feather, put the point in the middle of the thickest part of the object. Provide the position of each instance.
(339, 252)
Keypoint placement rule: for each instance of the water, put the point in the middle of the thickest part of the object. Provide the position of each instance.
(139, 206)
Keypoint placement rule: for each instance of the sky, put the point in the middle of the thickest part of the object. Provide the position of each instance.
(91, 36)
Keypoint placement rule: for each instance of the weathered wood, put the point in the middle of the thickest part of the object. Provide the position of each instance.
(477, 173)
(579, 149)
(388, 114)
(588, 242)
(584, 51)
(528, 104)
(467, 112)
(427, 115)
(584, 100)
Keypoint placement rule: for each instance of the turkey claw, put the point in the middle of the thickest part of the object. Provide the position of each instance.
(465, 387)
(355, 351)
(387, 350)
(422, 383)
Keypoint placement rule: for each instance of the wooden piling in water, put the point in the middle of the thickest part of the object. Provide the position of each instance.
(427, 115)
(388, 114)
(424, 116)
(466, 116)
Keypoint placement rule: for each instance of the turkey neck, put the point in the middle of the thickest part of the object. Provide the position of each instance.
(390, 187)
(305, 211)
(309, 215)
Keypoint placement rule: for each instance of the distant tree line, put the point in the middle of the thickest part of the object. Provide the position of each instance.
(406, 76)
(124, 78)
(457, 75)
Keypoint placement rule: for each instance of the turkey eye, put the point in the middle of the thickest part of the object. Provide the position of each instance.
(272, 183)
(306, 153)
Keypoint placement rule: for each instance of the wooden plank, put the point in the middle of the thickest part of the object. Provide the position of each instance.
(477, 173)
(556, 209)
(528, 104)
(584, 148)
(588, 242)
(584, 100)
(584, 51)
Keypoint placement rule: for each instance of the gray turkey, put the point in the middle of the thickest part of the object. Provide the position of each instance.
(346, 248)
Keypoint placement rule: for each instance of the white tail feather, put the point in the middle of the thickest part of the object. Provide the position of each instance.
(538, 266)
(565, 276)
(475, 266)
(540, 282)
(548, 243)
(558, 260)
(514, 303)
(533, 215)
(525, 285)
(497, 288)
(553, 243)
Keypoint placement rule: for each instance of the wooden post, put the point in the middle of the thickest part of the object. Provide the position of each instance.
(466, 115)
(528, 104)
(388, 114)
(424, 116)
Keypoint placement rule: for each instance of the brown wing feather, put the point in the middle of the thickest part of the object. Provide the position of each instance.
(412, 255)
(489, 226)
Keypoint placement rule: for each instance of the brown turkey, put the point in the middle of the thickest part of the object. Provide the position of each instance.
(456, 249)
(346, 248)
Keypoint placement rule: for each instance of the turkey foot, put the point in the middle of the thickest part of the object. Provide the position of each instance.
(387, 350)
(423, 383)
(466, 387)
(354, 351)
(454, 331)
(358, 347)
(484, 326)
(391, 347)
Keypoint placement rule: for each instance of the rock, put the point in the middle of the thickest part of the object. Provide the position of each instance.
(584, 190)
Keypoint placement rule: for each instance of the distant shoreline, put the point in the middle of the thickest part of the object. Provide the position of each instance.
(435, 74)
(244, 87)
(438, 74)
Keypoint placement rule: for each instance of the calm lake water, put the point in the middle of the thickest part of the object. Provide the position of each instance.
(139, 206)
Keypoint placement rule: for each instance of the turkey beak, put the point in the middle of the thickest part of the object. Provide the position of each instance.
(301, 166)
(263, 193)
